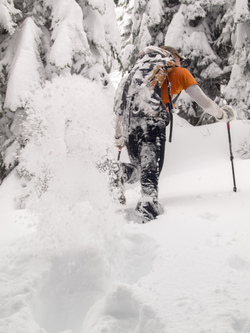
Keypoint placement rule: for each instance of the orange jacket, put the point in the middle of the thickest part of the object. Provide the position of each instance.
(180, 79)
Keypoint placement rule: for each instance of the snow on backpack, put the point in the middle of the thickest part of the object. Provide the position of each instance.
(139, 93)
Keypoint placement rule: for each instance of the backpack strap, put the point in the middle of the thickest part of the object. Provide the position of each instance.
(175, 99)
(170, 107)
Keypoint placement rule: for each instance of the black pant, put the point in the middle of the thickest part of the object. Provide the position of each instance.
(145, 144)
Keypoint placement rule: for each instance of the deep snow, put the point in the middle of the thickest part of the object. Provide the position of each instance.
(72, 261)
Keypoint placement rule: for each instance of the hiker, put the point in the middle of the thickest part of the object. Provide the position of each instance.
(142, 117)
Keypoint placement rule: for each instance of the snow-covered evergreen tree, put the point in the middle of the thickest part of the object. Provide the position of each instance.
(206, 32)
(143, 23)
(237, 90)
(124, 18)
(43, 38)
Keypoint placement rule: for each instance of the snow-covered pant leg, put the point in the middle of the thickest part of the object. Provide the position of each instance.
(149, 170)
(152, 156)
(132, 171)
(151, 161)
(146, 146)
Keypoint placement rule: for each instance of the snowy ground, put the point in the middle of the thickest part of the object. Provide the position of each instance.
(71, 263)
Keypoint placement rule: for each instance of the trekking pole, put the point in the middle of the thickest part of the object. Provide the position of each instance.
(119, 153)
(231, 155)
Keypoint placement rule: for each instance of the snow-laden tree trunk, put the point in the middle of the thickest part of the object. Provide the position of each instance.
(43, 38)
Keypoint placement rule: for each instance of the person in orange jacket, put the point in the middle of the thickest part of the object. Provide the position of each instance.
(144, 135)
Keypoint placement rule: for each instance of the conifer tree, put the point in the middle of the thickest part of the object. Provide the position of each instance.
(57, 37)
(143, 23)
(207, 33)
(237, 90)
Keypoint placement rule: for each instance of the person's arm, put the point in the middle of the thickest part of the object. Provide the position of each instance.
(203, 101)
(225, 113)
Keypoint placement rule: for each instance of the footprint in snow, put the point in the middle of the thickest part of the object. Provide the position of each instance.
(121, 312)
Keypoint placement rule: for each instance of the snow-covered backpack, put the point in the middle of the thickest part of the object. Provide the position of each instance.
(139, 93)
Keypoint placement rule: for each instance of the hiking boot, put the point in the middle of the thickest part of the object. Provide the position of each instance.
(148, 209)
